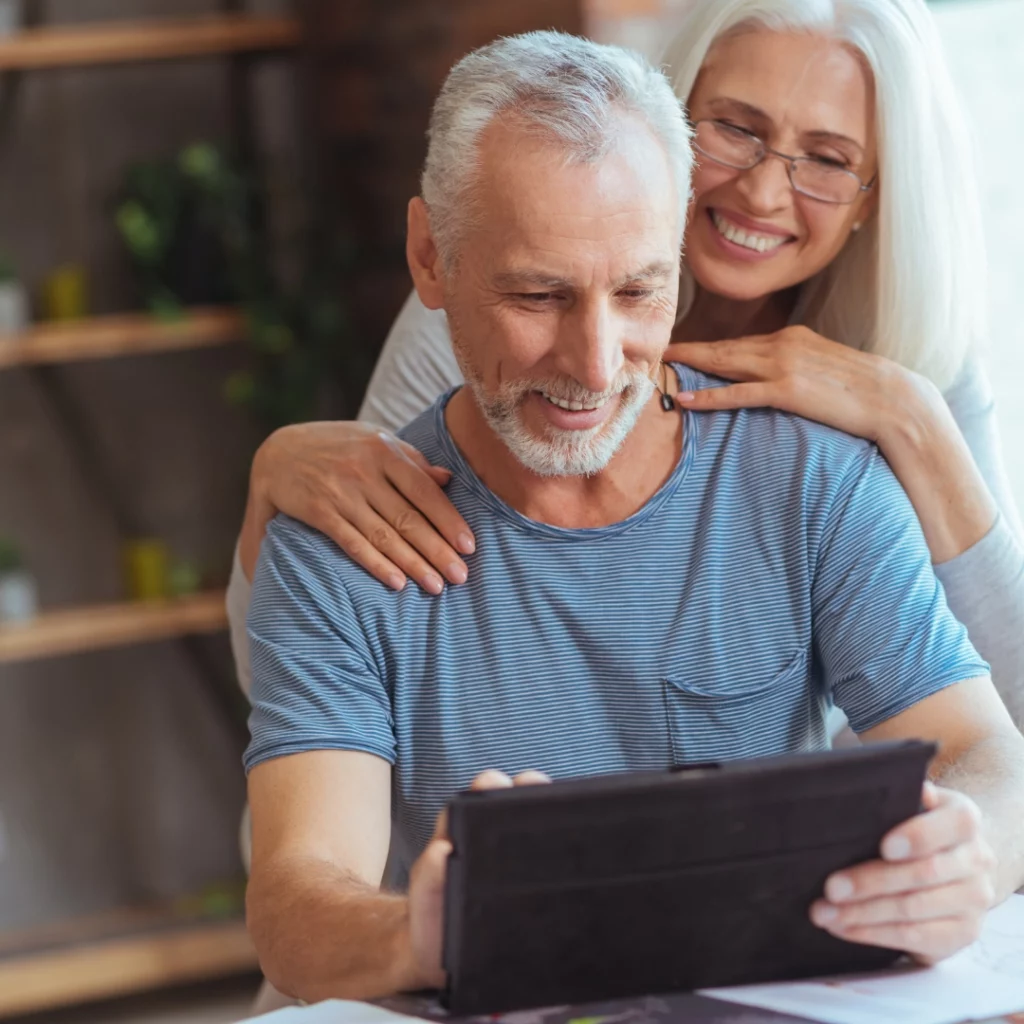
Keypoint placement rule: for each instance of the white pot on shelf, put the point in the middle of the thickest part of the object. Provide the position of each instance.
(19, 601)
(13, 299)
(10, 17)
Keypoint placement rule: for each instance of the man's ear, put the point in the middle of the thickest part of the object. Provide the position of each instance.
(423, 257)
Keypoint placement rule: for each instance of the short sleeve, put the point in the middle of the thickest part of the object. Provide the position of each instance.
(884, 635)
(315, 683)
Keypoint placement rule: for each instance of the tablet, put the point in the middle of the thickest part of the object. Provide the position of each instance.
(641, 883)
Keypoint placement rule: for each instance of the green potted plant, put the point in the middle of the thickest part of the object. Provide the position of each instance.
(13, 298)
(18, 593)
(202, 211)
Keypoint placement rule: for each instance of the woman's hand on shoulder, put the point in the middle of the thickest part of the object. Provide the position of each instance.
(801, 372)
(375, 496)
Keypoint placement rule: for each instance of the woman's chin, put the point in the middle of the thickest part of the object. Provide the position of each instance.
(743, 282)
(736, 287)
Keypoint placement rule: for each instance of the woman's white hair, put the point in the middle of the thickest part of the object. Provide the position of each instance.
(562, 87)
(911, 284)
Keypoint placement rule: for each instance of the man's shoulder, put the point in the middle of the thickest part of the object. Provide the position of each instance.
(769, 446)
(313, 564)
(781, 423)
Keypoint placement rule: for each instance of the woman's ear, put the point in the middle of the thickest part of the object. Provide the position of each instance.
(421, 253)
(868, 208)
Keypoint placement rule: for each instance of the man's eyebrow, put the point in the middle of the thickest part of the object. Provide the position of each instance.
(548, 282)
(536, 278)
(659, 268)
(727, 104)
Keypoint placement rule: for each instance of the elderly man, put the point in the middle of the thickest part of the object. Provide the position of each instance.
(650, 588)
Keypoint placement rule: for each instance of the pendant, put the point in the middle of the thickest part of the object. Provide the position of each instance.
(666, 402)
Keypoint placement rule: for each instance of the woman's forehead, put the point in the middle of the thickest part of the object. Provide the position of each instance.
(805, 80)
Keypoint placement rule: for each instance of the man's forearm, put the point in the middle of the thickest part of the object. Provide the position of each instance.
(322, 934)
(991, 773)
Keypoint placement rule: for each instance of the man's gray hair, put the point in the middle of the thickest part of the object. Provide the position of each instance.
(568, 89)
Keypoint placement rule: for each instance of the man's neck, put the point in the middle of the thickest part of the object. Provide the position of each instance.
(714, 318)
(636, 472)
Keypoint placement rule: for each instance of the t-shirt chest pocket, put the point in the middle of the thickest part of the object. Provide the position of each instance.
(715, 716)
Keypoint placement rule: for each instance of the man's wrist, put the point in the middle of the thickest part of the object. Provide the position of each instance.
(407, 973)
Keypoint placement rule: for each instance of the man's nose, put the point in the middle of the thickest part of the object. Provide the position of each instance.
(591, 347)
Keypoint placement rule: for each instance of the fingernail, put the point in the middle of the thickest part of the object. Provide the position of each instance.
(896, 848)
(838, 888)
(433, 583)
(466, 543)
(396, 581)
(456, 573)
(824, 914)
(686, 396)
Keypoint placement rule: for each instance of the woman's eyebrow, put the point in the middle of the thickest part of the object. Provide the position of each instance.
(726, 103)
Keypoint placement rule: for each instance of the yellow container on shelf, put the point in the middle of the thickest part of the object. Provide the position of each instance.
(65, 293)
(146, 564)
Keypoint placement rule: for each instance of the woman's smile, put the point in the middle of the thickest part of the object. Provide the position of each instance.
(742, 239)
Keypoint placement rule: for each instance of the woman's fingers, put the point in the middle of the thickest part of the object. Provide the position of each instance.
(422, 490)
(412, 542)
(741, 359)
(370, 540)
(361, 551)
(733, 396)
(379, 532)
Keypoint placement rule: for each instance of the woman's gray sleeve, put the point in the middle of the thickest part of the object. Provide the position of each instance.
(985, 585)
(237, 601)
(415, 366)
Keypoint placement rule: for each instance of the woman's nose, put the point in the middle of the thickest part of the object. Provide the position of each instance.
(767, 186)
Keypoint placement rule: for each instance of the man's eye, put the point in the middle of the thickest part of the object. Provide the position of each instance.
(637, 293)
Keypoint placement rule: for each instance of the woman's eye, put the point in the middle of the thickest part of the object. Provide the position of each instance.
(830, 161)
(729, 126)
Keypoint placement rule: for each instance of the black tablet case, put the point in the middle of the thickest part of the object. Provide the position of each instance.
(656, 882)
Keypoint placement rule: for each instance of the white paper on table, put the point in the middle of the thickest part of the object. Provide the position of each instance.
(984, 980)
(336, 1011)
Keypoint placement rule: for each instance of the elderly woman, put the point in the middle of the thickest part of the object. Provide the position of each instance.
(833, 268)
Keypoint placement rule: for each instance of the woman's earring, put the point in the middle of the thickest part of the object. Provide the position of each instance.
(858, 226)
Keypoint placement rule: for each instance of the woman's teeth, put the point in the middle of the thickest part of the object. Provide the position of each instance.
(749, 240)
(573, 406)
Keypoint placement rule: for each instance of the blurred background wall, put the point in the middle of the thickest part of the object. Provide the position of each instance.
(119, 782)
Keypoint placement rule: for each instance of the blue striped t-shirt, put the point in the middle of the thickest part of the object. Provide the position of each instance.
(780, 569)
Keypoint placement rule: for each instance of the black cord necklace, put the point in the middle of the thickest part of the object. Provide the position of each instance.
(666, 399)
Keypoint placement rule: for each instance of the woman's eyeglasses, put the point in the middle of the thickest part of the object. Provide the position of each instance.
(733, 147)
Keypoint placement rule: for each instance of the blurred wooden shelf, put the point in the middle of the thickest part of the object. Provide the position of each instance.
(126, 334)
(91, 628)
(129, 42)
(117, 954)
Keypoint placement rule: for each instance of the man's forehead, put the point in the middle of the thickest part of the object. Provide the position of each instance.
(546, 273)
(533, 185)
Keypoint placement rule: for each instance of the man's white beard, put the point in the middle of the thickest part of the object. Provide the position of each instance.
(563, 452)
